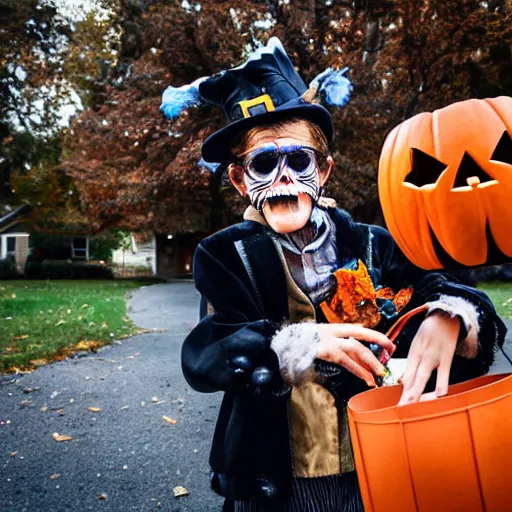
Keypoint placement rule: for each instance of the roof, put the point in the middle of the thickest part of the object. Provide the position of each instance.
(14, 217)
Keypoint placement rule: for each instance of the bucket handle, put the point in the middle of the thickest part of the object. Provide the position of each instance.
(397, 327)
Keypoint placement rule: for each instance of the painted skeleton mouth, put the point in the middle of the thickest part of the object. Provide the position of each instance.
(282, 194)
(282, 199)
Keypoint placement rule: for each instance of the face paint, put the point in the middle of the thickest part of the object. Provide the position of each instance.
(279, 174)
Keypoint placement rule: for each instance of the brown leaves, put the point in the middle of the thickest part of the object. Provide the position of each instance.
(169, 420)
(180, 491)
(94, 409)
(61, 438)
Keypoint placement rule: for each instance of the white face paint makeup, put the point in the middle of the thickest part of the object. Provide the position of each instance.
(283, 183)
(278, 173)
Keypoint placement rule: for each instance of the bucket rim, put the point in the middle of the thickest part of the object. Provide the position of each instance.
(453, 403)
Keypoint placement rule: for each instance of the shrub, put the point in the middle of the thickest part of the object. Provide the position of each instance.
(8, 268)
(33, 268)
(66, 269)
(102, 245)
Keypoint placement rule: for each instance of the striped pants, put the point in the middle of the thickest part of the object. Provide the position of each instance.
(339, 493)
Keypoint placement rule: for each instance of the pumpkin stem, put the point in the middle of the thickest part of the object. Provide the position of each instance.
(473, 181)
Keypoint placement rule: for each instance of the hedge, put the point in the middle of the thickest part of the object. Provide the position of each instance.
(65, 269)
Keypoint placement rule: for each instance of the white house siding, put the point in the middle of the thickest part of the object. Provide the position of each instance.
(144, 256)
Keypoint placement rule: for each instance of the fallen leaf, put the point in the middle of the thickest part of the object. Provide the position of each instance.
(44, 408)
(91, 345)
(102, 496)
(22, 337)
(124, 407)
(60, 411)
(59, 438)
(84, 306)
(154, 399)
(60, 322)
(13, 454)
(169, 420)
(94, 409)
(180, 491)
(29, 390)
(25, 403)
(39, 362)
(54, 476)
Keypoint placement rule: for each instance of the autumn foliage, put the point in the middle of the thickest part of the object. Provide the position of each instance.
(135, 169)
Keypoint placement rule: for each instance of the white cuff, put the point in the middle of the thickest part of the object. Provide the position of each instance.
(296, 349)
(457, 306)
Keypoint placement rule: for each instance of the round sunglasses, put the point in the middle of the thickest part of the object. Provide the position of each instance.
(298, 159)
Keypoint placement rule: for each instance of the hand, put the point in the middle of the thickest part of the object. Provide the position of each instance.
(433, 348)
(339, 344)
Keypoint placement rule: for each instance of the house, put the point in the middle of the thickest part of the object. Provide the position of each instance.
(167, 255)
(14, 237)
(164, 255)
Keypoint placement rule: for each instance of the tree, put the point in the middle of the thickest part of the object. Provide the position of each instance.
(52, 59)
(135, 169)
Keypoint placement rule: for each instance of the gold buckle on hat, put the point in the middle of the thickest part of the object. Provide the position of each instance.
(265, 100)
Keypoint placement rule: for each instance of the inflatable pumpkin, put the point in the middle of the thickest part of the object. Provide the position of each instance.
(445, 185)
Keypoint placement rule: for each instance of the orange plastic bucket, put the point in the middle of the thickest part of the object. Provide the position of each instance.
(445, 455)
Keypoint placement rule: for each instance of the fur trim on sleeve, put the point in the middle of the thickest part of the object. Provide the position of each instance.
(466, 310)
(296, 349)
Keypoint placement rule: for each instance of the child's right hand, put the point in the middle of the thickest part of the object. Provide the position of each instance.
(341, 344)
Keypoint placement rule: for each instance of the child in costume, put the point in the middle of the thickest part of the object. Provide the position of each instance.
(301, 296)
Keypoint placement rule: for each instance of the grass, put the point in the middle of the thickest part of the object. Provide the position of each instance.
(501, 295)
(46, 320)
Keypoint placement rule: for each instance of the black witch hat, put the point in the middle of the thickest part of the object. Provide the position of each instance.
(264, 89)
(261, 91)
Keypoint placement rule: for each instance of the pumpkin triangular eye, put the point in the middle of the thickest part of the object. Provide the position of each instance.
(425, 169)
(503, 151)
(468, 168)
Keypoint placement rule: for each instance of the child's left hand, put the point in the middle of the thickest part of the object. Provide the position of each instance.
(433, 348)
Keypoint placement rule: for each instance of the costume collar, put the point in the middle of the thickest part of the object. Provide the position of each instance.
(319, 218)
(252, 214)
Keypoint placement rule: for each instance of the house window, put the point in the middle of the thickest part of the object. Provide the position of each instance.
(80, 247)
(11, 246)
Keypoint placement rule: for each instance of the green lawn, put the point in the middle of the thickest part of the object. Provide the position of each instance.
(43, 320)
(501, 296)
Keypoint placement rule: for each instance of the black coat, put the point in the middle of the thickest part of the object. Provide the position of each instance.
(230, 350)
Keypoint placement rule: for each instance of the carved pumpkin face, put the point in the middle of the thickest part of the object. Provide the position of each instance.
(445, 185)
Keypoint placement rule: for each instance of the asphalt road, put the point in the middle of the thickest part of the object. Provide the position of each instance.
(125, 457)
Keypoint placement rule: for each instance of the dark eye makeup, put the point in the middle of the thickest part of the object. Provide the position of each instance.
(266, 162)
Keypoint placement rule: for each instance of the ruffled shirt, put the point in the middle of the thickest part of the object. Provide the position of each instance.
(312, 255)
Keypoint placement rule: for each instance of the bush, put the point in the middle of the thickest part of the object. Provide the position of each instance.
(102, 245)
(62, 269)
(33, 268)
(8, 268)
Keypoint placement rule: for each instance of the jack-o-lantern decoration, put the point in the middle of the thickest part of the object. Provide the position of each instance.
(445, 185)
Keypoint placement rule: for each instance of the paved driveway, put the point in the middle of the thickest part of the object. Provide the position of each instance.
(125, 457)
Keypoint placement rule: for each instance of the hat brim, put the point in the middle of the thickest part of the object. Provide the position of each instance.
(217, 147)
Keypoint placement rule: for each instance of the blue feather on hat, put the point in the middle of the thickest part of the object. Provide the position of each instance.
(177, 99)
(333, 87)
